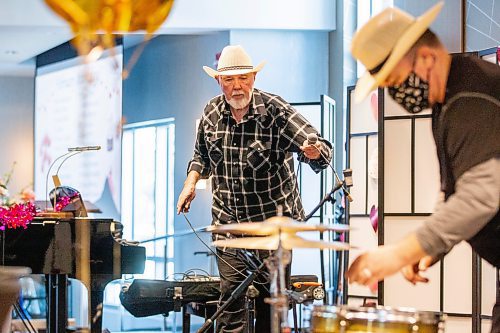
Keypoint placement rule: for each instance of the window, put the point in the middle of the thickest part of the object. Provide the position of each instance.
(147, 192)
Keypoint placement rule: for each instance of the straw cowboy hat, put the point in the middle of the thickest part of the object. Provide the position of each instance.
(383, 41)
(233, 61)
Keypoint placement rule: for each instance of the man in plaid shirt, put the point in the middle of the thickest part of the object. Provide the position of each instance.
(245, 141)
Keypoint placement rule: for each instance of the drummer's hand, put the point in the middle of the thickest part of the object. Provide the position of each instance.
(413, 272)
(373, 266)
(187, 195)
(312, 152)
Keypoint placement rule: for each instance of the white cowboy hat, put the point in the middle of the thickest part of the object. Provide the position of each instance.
(233, 61)
(383, 41)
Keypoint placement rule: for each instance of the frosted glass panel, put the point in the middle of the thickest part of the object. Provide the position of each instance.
(488, 285)
(398, 291)
(372, 176)
(485, 325)
(458, 325)
(397, 166)
(356, 301)
(364, 238)
(458, 280)
(307, 261)
(391, 108)
(358, 166)
(364, 116)
(426, 167)
(310, 188)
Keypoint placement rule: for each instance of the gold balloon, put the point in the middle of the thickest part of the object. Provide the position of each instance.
(94, 22)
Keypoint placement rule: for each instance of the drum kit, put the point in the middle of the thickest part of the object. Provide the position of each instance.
(344, 319)
(280, 234)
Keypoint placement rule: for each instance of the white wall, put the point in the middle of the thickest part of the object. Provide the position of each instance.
(16, 130)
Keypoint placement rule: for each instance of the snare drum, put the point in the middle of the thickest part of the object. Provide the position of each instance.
(429, 322)
(326, 319)
(344, 319)
(378, 320)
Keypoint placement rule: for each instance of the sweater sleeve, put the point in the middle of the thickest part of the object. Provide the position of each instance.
(466, 212)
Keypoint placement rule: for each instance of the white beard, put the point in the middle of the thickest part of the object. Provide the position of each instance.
(241, 104)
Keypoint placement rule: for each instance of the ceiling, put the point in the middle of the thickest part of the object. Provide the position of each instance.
(29, 27)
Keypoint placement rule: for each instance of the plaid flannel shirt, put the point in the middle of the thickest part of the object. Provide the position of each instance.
(251, 162)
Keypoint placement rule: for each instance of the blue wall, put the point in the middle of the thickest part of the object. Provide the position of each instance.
(296, 62)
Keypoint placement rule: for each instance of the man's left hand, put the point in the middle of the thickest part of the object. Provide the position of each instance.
(312, 152)
(413, 273)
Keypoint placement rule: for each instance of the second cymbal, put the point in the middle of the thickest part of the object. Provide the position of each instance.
(274, 226)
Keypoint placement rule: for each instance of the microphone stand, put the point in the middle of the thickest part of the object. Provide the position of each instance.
(328, 197)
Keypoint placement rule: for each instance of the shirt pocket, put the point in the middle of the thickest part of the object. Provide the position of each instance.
(259, 155)
(214, 147)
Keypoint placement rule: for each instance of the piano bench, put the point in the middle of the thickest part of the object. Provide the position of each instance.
(205, 310)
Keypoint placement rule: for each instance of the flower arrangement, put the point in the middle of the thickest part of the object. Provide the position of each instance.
(18, 210)
(63, 202)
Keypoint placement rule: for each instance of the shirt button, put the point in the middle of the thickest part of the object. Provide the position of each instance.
(235, 163)
(240, 217)
(236, 182)
(234, 144)
(237, 199)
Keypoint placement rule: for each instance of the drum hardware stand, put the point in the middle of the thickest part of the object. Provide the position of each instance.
(244, 285)
(251, 295)
(279, 299)
(328, 197)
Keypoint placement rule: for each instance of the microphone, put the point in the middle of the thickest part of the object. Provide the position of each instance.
(348, 183)
(84, 148)
(348, 177)
(312, 138)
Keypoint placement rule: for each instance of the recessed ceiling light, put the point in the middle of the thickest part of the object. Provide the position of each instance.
(10, 52)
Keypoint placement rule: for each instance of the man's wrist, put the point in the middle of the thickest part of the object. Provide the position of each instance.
(189, 183)
(192, 179)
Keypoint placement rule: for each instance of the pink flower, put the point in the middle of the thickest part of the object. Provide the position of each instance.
(17, 215)
(63, 202)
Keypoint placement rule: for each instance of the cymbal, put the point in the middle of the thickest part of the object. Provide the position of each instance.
(274, 226)
(288, 242)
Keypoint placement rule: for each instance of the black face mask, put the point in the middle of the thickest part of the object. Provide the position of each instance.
(412, 94)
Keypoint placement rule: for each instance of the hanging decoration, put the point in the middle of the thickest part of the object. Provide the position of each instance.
(95, 22)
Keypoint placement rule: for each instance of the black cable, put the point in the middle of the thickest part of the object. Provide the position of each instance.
(215, 254)
(344, 189)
